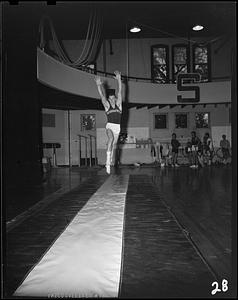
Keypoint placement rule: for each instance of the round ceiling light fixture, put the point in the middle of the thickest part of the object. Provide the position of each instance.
(135, 29)
(198, 27)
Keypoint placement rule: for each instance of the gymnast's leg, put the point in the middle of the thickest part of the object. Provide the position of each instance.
(114, 144)
(109, 148)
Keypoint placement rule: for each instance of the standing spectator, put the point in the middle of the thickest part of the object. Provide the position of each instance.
(195, 147)
(207, 148)
(200, 155)
(175, 146)
(165, 155)
(157, 149)
(188, 150)
(152, 150)
(225, 147)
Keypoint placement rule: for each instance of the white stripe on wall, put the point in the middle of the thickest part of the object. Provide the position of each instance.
(85, 260)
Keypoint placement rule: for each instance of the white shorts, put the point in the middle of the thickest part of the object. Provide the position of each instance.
(115, 128)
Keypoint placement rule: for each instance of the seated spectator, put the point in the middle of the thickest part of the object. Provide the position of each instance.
(225, 147)
(175, 146)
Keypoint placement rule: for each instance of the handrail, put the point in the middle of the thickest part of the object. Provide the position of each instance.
(144, 79)
(90, 137)
(86, 150)
(95, 146)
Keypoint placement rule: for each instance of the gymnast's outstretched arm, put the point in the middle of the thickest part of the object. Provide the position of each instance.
(119, 94)
(101, 93)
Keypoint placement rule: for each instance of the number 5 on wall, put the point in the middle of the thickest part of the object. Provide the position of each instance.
(195, 77)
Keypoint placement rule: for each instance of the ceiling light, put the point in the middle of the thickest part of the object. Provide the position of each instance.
(135, 29)
(197, 27)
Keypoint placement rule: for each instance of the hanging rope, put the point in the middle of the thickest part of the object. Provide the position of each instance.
(91, 43)
(93, 46)
(143, 56)
(127, 52)
(84, 51)
(88, 42)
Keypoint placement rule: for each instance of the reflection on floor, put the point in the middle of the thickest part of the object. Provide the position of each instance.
(59, 180)
(197, 202)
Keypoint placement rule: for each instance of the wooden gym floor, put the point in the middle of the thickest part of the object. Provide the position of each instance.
(177, 236)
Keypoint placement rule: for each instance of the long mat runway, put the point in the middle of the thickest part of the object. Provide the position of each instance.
(85, 260)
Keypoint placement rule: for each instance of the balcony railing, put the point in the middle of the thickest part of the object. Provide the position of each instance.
(142, 79)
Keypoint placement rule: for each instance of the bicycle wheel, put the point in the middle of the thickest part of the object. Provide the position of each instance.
(219, 153)
(216, 159)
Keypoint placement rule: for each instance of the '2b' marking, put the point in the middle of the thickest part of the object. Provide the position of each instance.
(223, 289)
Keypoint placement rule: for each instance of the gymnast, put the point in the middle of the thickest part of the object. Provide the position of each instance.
(113, 109)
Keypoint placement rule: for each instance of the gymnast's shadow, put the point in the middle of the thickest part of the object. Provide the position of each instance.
(124, 125)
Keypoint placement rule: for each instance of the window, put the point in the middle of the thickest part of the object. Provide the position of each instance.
(181, 121)
(48, 120)
(88, 122)
(180, 60)
(201, 62)
(160, 63)
(160, 121)
(202, 120)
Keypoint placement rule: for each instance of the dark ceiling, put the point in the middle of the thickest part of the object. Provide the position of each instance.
(70, 20)
(157, 18)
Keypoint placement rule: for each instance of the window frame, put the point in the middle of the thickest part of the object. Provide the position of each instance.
(187, 62)
(166, 60)
(46, 120)
(194, 46)
(167, 121)
(181, 113)
(209, 119)
(82, 129)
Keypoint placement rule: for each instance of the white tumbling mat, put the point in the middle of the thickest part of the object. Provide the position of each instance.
(85, 261)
